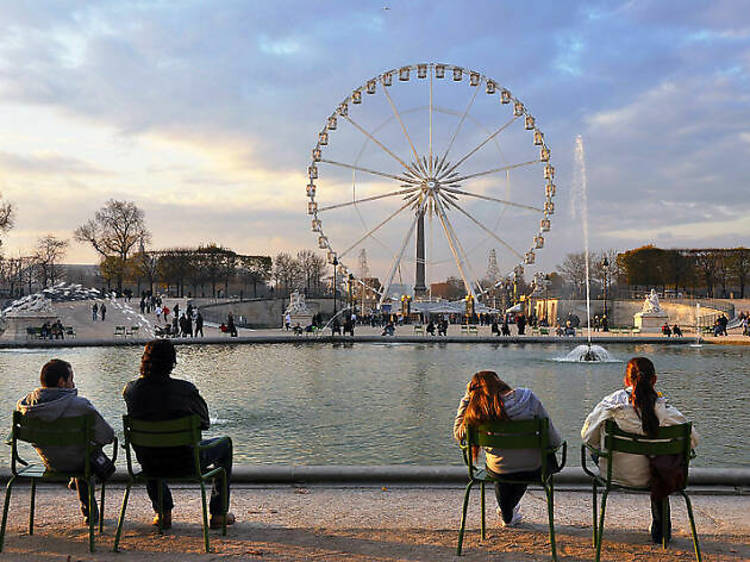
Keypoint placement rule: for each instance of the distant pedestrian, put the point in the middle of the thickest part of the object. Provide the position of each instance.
(103, 311)
(288, 321)
(94, 312)
(165, 311)
(231, 328)
(158, 312)
(142, 305)
(198, 324)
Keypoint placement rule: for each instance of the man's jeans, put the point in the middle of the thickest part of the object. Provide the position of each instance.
(219, 455)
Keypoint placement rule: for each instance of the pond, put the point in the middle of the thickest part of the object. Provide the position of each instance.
(394, 403)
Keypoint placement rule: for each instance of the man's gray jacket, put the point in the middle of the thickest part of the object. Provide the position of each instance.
(51, 404)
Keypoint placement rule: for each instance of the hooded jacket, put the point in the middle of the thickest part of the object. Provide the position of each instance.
(519, 404)
(50, 404)
(631, 470)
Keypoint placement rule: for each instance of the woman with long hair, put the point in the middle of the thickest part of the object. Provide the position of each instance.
(490, 399)
(636, 408)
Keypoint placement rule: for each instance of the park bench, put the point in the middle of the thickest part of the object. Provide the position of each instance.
(33, 333)
(418, 329)
(133, 331)
(120, 331)
(464, 329)
(70, 331)
(473, 330)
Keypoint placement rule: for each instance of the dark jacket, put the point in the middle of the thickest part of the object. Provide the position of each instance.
(51, 404)
(164, 398)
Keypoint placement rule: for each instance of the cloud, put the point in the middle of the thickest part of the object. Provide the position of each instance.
(46, 164)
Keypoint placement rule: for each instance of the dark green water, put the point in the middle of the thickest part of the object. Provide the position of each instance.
(394, 403)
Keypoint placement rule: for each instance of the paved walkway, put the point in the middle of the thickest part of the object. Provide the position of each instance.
(373, 523)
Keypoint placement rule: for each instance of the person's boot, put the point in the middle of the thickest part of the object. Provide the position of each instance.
(217, 521)
(166, 522)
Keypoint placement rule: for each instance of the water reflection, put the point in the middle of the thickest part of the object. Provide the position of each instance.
(394, 402)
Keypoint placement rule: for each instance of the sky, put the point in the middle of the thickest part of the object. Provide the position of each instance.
(204, 113)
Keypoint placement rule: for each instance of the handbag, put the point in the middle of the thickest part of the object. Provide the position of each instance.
(101, 465)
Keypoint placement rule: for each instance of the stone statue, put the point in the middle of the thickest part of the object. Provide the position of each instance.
(297, 304)
(651, 304)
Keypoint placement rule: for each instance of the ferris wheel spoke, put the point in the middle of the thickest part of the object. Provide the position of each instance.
(442, 217)
(492, 171)
(460, 123)
(483, 227)
(376, 141)
(370, 171)
(373, 230)
(488, 198)
(397, 258)
(403, 127)
(462, 251)
(480, 145)
(366, 199)
(430, 135)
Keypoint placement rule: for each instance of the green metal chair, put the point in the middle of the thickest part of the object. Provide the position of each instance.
(180, 432)
(671, 440)
(73, 431)
(510, 435)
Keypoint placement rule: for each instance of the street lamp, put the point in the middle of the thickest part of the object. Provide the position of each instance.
(335, 263)
(546, 298)
(605, 266)
(351, 292)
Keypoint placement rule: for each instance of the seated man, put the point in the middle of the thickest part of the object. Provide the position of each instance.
(156, 396)
(58, 398)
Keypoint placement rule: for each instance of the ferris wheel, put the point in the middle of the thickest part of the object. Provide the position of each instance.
(438, 158)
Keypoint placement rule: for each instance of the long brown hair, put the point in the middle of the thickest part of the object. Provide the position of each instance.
(642, 376)
(485, 401)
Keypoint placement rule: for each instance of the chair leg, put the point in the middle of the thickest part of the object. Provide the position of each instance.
(463, 518)
(593, 510)
(205, 517)
(92, 507)
(122, 516)
(550, 490)
(31, 507)
(8, 489)
(483, 514)
(101, 511)
(665, 522)
(696, 545)
(600, 532)
(225, 505)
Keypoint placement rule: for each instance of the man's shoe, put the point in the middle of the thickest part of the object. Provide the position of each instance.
(217, 521)
(84, 512)
(515, 520)
(166, 523)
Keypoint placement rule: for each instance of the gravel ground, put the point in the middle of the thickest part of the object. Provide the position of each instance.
(372, 523)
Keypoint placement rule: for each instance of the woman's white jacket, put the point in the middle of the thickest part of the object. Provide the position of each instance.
(631, 470)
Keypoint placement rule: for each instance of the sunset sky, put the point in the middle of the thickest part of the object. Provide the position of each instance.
(204, 113)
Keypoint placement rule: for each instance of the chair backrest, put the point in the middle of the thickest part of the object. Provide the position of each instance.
(63, 432)
(670, 440)
(178, 432)
(509, 435)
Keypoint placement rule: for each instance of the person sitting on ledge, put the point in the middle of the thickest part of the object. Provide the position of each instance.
(155, 396)
(58, 398)
(637, 408)
(666, 330)
(489, 399)
(677, 331)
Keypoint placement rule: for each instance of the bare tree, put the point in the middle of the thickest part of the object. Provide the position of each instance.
(287, 273)
(114, 232)
(311, 266)
(740, 267)
(573, 270)
(6, 216)
(47, 255)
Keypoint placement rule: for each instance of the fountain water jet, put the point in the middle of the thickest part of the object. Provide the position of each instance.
(581, 193)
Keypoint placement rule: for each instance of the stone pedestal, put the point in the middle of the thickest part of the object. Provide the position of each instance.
(650, 322)
(17, 322)
(303, 320)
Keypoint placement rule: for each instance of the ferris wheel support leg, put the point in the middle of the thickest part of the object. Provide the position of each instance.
(397, 258)
(462, 251)
(456, 257)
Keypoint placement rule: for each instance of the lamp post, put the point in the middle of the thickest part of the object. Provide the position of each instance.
(605, 266)
(335, 263)
(351, 292)
(546, 298)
